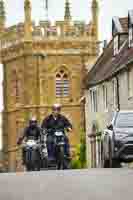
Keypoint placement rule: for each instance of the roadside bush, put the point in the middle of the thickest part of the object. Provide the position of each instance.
(79, 162)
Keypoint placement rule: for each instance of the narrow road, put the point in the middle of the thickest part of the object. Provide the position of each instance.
(93, 184)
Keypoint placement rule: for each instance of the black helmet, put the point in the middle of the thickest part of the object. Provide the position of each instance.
(33, 121)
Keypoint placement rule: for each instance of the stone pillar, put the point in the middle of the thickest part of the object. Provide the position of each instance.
(98, 149)
(92, 138)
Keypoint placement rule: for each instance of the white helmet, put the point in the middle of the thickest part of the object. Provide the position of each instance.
(56, 107)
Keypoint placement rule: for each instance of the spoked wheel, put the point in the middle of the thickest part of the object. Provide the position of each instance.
(27, 160)
(32, 160)
(44, 163)
(60, 158)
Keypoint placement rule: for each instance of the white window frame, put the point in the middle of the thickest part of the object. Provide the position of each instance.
(105, 97)
(130, 82)
(94, 99)
(131, 36)
(114, 86)
(116, 45)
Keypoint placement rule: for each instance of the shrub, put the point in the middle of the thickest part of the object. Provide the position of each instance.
(79, 161)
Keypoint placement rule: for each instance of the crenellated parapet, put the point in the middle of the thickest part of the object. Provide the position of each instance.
(75, 29)
(46, 31)
(75, 42)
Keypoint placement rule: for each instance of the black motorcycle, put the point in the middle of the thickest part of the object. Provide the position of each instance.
(57, 138)
(32, 154)
(59, 143)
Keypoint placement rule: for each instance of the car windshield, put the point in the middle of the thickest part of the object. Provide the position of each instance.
(124, 120)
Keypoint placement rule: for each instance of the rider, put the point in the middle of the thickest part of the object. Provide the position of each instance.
(56, 121)
(32, 130)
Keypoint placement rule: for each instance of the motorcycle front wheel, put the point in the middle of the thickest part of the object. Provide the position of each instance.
(60, 158)
(32, 160)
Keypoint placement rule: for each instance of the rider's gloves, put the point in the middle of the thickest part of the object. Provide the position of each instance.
(19, 141)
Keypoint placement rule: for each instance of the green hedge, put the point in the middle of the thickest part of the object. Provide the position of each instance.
(79, 162)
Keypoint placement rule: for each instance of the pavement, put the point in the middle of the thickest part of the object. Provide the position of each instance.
(92, 184)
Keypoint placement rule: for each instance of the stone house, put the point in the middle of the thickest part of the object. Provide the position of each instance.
(109, 84)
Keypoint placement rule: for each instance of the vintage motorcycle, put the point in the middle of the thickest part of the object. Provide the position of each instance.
(59, 142)
(32, 154)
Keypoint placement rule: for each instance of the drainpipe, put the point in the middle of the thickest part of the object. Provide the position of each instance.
(118, 93)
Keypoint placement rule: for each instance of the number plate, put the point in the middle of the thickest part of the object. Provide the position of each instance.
(44, 150)
(31, 143)
(58, 134)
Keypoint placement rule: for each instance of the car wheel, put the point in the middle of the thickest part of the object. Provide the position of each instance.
(113, 163)
(116, 164)
(105, 163)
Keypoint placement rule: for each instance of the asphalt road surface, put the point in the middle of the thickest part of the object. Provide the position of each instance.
(93, 184)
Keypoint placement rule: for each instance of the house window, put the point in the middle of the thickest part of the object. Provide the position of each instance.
(116, 45)
(114, 94)
(62, 84)
(130, 83)
(105, 97)
(93, 96)
(130, 36)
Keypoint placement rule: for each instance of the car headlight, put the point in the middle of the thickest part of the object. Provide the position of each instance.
(119, 136)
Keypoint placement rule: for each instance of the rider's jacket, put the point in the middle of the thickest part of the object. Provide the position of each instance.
(29, 132)
(58, 123)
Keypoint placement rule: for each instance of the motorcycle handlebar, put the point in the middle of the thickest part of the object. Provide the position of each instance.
(46, 131)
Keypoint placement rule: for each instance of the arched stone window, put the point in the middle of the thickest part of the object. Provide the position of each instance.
(62, 84)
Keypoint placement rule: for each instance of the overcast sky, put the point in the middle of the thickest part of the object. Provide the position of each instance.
(80, 9)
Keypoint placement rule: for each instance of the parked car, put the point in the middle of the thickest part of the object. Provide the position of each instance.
(117, 140)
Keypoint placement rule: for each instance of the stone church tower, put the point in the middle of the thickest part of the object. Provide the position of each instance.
(42, 65)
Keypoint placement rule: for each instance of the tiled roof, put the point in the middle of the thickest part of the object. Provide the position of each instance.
(124, 23)
(107, 65)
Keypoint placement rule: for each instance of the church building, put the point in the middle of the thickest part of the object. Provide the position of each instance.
(44, 64)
